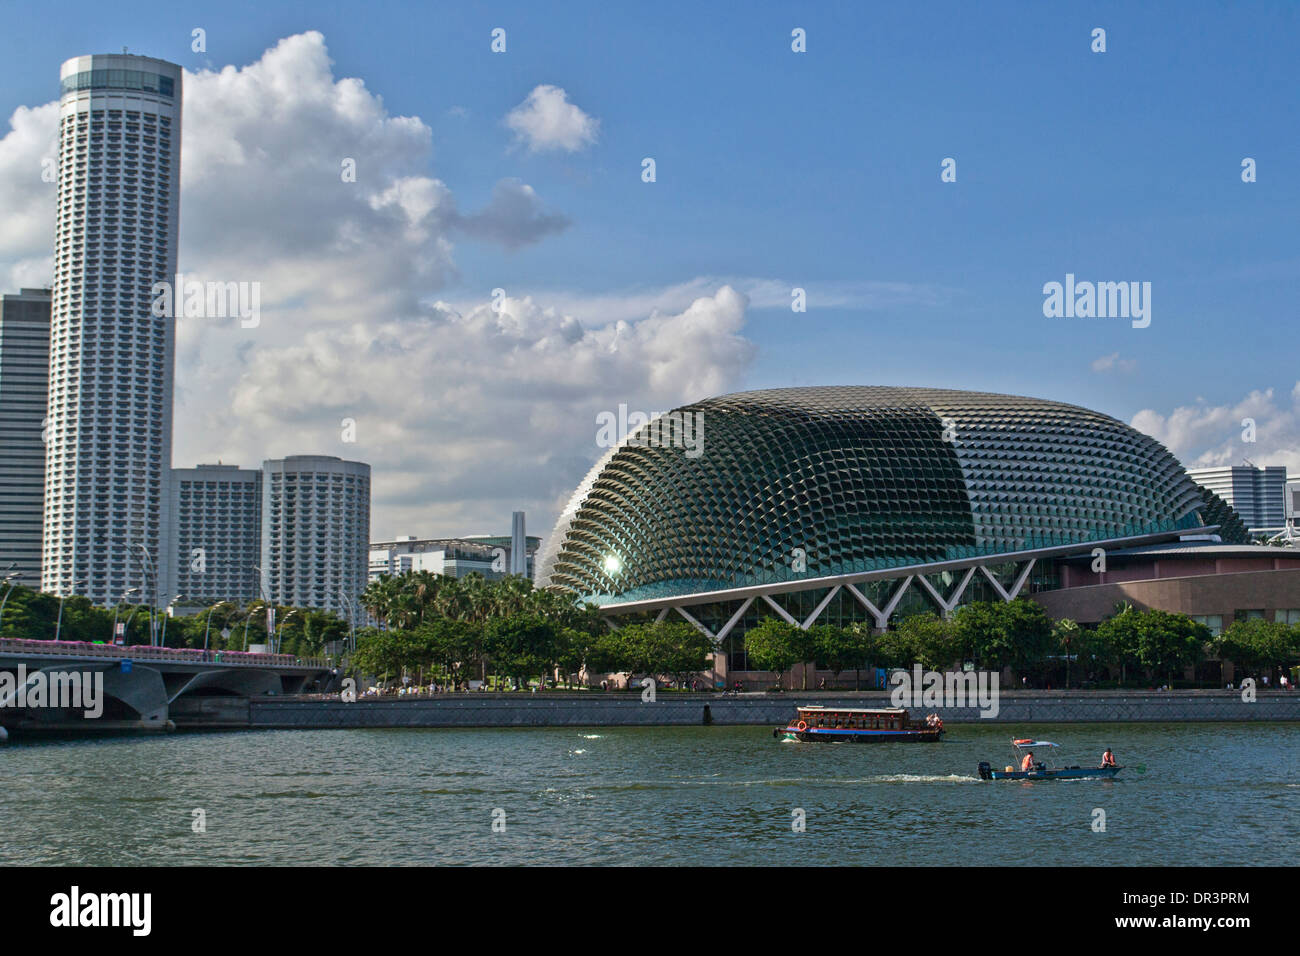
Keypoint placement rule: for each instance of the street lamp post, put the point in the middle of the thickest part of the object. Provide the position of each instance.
(275, 646)
(58, 626)
(153, 605)
(266, 603)
(171, 603)
(247, 618)
(12, 577)
(208, 626)
(261, 584)
(352, 620)
(116, 610)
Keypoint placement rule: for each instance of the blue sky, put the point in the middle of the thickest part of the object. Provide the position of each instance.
(821, 170)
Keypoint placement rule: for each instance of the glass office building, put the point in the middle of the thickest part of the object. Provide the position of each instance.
(24, 377)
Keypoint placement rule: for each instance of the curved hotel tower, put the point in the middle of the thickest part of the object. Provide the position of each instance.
(111, 360)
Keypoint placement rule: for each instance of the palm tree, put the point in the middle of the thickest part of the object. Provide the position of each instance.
(515, 593)
(378, 596)
(424, 587)
(479, 596)
(1066, 632)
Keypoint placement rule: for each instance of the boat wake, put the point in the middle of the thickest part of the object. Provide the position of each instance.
(925, 778)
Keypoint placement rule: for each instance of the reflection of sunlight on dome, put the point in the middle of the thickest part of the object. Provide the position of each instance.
(612, 564)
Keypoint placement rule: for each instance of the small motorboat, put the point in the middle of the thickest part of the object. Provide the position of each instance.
(1040, 770)
(858, 725)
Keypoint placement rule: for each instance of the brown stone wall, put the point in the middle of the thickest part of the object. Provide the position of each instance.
(1198, 594)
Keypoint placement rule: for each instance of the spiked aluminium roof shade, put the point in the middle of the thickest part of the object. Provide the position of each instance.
(797, 482)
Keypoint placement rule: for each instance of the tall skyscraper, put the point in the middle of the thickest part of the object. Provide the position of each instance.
(518, 545)
(315, 530)
(217, 520)
(24, 377)
(108, 453)
(1257, 494)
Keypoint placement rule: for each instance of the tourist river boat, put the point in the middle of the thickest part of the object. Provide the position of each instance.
(834, 724)
(1041, 770)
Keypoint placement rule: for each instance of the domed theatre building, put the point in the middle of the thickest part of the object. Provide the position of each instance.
(861, 503)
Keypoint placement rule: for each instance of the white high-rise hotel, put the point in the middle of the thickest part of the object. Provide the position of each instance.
(108, 455)
(315, 530)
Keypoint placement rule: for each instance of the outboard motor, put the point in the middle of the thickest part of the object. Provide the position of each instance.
(985, 771)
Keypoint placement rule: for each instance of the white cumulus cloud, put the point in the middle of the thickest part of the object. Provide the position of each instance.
(1202, 434)
(469, 415)
(27, 155)
(464, 413)
(546, 120)
(1113, 363)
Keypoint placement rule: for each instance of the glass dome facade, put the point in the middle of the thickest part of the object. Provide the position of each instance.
(798, 483)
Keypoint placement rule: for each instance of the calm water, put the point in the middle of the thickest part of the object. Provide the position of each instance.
(1221, 794)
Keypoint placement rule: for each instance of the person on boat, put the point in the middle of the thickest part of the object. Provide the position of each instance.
(1028, 763)
(1108, 758)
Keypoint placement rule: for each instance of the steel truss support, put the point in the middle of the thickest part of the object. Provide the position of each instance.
(1006, 595)
(735, 619)
(820, 607)
(949, 604)
(880, 615)
(707, 633)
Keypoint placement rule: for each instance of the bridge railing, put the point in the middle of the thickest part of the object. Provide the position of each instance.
(144, 652)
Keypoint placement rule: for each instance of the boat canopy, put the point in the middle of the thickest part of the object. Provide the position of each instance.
(850, 710)
(1031, 744)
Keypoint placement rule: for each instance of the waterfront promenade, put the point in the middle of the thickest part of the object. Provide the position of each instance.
(615, 709)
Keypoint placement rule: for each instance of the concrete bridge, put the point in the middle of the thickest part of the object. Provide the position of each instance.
(140, 684)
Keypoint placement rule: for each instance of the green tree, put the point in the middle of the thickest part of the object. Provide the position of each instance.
(837, 648)
(608, 654)
(998, 634)
(571, 650)
(1258, 646)
(1115, 640)
(929, 640)
(452, 645)
(980, 635)
(1028, 630)
(381, 654)
(1167, 643)
(895, 648)
(1159, 642)
(675, 649)
(775, 645)
(864, 650)
(520, 646)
